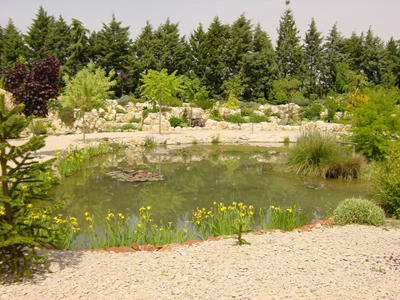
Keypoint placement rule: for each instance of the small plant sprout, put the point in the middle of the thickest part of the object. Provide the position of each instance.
(239, 231)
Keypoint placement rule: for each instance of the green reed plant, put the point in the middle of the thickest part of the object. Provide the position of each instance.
(280, 218)
(320, 154)
(221, 219)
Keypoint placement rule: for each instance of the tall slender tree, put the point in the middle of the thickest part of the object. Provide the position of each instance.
(58, 40)
(38, 33)
(288, 47)
(197, 56)
(13, 46)
(313, 61)
(216, 42)
(259, 68)
(334, 54)
(393, 49)
(170, 49)
(79, 49)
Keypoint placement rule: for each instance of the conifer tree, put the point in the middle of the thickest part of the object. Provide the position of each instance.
(238, 44)
(12, 45)
(313, 61)
(58, 41)
(216, 72)
(393, 50)
(79, 49)
(334, 54)
(259, 68)
(288, 49)
(23, 195)
(141, 58)
(353, 47)
(38, 33)
(111, 48)
(169, 49)
(198, 54)
(374, 61)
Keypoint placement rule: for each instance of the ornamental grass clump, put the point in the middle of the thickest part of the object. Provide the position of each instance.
(284, 219)
(359, 211)
(320, 154)
(221, 219)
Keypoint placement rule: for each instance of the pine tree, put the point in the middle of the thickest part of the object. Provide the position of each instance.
(38, 33)
(111, 48)
(354, 49)
(197, 57)
(334, 54)
(216, 72)
(288, 49)
(374, 61)
(58, 41)
(79, 49)
(393, 49)
(141, 58)
(13, 46)
(169, 49)
(238, 44)
(259, 68)
(313, 61)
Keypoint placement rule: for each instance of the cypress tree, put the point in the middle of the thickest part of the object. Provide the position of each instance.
(374, 61)
(169, 49)
(313, 61)
(12, 46)
(259, 68)
(198, 54)
(111, 49)
(238, 44)
(216, 72)
(38, 33)
(288, 49)
(58, 41)
(334, 54)
(79, 49)
(393, 49)
(353, 47)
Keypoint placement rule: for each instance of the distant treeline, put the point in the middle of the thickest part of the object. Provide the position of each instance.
(224, 58)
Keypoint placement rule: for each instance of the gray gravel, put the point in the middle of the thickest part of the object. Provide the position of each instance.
(351, 262)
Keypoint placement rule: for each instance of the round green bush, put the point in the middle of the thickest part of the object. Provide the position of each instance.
(359, 211)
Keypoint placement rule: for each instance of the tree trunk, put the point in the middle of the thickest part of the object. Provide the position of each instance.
(159, 124)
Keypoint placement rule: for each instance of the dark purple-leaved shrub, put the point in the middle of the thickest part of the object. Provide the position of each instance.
(36, 87)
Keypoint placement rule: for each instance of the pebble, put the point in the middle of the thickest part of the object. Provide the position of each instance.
(350, 262)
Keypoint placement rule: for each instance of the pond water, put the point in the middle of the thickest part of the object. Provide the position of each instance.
(196, 177)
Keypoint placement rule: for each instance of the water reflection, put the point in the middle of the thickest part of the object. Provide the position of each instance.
(196, 177)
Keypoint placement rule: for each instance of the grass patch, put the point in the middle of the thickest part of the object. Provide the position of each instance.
(284, 219)
(320, 154)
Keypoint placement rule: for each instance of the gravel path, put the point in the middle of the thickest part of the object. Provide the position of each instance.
(351, 262)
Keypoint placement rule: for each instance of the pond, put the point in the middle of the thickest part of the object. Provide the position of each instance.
(196, 177)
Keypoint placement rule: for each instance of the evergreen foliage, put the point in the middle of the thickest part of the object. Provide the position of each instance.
(288, 50)
(22, 194)
(38, 33)
(58, 40)
(12, 46)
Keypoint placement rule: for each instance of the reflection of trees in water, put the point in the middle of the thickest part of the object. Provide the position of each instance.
(223, 176)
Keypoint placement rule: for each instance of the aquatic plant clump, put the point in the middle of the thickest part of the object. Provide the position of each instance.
(134, 176)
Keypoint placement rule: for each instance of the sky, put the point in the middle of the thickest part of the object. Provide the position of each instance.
(351, 15)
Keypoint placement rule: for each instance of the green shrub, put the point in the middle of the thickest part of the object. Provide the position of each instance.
(236, 118)
(312, 112)
(232, 103)
(386, 181)
(254, 118)
(320, 154)
(124, 100)
(135, 120)
(215, 115)
(245, 112)
(66, 114)
(175, 122)
(359, 211)
(39, 127)
(128, 127)
(120, 110)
